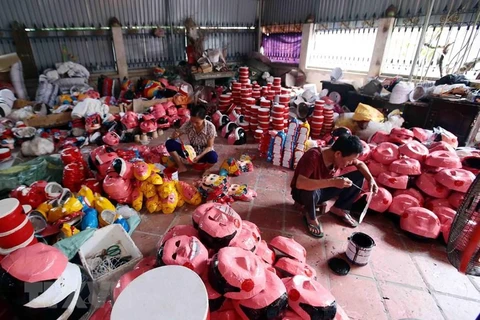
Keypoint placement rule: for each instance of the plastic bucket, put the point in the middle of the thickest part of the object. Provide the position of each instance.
(360, 246)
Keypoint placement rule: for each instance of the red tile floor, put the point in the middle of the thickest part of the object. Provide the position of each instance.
(405, 279)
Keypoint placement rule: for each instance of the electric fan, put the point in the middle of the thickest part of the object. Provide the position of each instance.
(463, 248)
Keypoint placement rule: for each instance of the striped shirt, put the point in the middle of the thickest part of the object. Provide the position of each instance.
(199, 140)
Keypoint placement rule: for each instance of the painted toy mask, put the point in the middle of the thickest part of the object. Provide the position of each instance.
(310, 299)
(184, 251)
(219, 226)
(237, 273)
(270, 303)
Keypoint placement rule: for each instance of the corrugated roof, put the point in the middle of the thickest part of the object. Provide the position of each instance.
(287, 11)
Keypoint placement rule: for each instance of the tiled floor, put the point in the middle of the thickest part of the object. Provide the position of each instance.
(405, 279)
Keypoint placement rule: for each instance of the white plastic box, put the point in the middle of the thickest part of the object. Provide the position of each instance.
(104, 238)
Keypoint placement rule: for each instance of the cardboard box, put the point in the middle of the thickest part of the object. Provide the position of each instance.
(140, 105)
(50, 121)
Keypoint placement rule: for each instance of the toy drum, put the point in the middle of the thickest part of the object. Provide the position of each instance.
(16, 236)
(174, 292)
(11, 214)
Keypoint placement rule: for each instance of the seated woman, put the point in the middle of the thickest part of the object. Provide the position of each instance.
(201, 133)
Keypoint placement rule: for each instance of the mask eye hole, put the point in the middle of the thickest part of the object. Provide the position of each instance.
(177, 243)
(174, 256)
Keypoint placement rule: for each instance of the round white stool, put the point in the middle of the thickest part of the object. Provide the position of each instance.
(165, 293)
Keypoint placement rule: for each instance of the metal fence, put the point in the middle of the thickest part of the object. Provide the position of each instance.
(143, 50)
(349, 49)
(447, 49)
(95, 52)
(238, 44)
(6, 42)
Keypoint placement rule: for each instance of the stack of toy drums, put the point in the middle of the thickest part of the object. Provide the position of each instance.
(224, 102)
(16, 231)
(278, 117)
(317, 119)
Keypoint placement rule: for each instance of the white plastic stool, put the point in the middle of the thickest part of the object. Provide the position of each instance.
(165, 293)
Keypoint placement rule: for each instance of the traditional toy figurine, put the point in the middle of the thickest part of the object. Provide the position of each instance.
(241, 192)
(148, 124)
(130, 120)
(229, 167)
(188, 193)
(169, 197)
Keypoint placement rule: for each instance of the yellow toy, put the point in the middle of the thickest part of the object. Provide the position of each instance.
(166, 189)
(137, 200)
(72, 205)
(87, 194)
(154, 204)
(55, 213)
(102, 203)
(148, 189)
(169, 196)
(44, 208)
(68, 230)
(189, 193)
(181, 201)
(170, 203)
(65, 99)
(168, 162)
(155, 179)
(142, 171)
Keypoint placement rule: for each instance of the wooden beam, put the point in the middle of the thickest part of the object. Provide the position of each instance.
(24, 51)
(120, 55)
(385, 27)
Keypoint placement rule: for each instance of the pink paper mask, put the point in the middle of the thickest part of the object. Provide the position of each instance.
(421, 222)
(219, 226)
(289, 247)
(184, 251)
(309, 299)
(385, 153)
(270, 303)
(237, 273)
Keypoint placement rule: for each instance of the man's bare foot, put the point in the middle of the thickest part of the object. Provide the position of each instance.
(345, 216)
(182, 169)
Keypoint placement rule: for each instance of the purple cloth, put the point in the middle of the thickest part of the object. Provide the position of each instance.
(282, 47)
